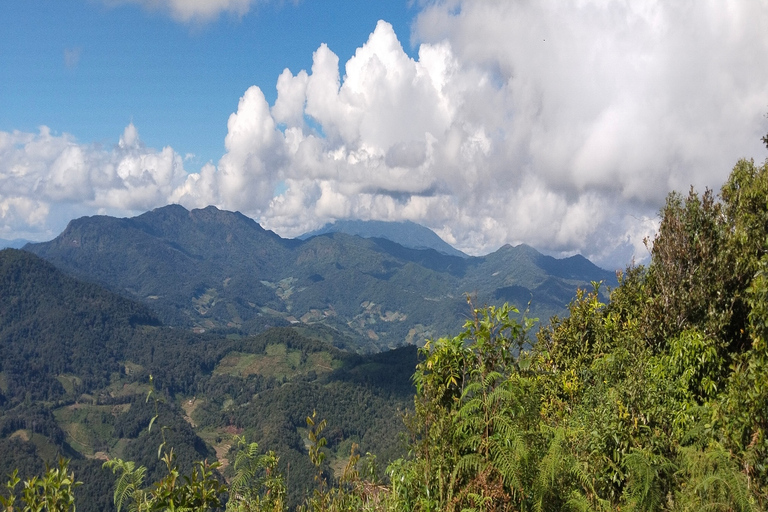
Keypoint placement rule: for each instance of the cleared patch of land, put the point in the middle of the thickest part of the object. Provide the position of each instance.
(277, 361)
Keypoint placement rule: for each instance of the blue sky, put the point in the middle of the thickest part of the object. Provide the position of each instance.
(89, 69)
(563, 125)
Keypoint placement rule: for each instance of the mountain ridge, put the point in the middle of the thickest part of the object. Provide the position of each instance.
(16, 243)
(210, 268)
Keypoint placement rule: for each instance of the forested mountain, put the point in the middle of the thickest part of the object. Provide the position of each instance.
(52, 325)
(209, 268)
(406, 233)
(75, 367)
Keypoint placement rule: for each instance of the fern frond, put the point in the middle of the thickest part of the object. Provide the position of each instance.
(129, 483)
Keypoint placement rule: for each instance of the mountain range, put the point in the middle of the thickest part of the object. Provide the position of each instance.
(208, 268)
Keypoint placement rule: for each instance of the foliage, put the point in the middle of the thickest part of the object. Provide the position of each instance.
(198, 491)
(257, 485)
(53, 492)
(351, 493)
(711, 480)
(473, 439)
(652, 400)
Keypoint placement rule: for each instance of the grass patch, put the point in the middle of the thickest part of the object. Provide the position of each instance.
(278, 362)
(189, 405)
(118, 449)
(276, 350)
(129, 367)
(69, 382)
(122, 388)
(221, 440)
(341, 456)
(88, 428)
(206, 301)
(235, 363)
(21, 434)
(322, 362)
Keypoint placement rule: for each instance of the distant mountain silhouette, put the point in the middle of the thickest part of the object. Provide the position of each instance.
(406, 233)
(16, 243)
(209, 268)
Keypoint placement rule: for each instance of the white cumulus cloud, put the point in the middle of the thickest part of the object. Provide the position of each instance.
(42, 173)
(561, 124)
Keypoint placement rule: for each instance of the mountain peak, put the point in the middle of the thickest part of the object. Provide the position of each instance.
(406, 233)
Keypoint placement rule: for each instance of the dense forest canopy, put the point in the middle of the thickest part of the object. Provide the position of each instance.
(653, 400)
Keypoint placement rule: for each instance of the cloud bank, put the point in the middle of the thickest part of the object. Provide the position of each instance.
(558, 124)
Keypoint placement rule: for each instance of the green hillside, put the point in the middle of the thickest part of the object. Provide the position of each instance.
(215, 269)
(75, 373)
